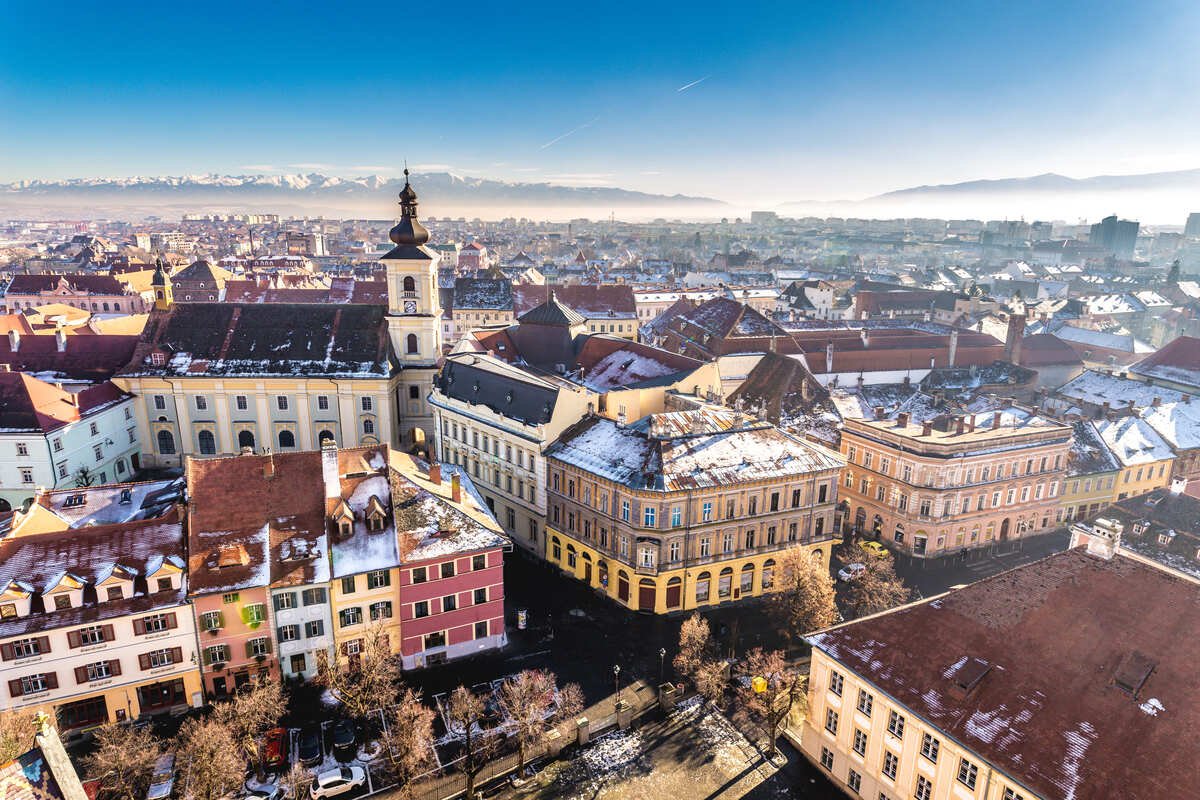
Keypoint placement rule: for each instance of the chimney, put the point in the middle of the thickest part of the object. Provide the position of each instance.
(1156, 402)
(902, 419)
(907, 380)
(860, 381)
(926, 428)
(829, 356)
(996, 420)
(1104, 411)
(1012, 341)
(329, 469)
(435, 473)
(455, 488)
(60, 338)
(1187, 398)
(961, 427)
(269, 466)
(866, 337)
(953, 347)
(971, 423)
(878, 412)
(1102, 538)
(14, 340)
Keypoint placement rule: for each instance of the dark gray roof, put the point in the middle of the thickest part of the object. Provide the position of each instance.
(552, 312)
(498, 386)
(490, 293)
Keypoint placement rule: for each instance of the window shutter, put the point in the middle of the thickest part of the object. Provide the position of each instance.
(108, 632)
(208, 655)
(267, 642)
(172, 620)
(249, 649)
(73, 639)
(220, 619)
(6, 652)
(43, 644)
(144, 661)
(139, 627)
(14, 688)
(114, 667)
(51, 680)
(81, 675)
(176, 655)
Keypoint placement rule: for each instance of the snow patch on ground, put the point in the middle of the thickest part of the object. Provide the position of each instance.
(1152, 706)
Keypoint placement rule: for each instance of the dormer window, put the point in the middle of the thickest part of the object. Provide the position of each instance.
(158, 359)
(8, 610)
(126, 496)
(376, 514)
(73, 500)
(115, 593)
(345, 528)
(62, 601)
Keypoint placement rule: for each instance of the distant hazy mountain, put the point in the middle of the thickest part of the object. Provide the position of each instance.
(441, 194)
(1161, 197)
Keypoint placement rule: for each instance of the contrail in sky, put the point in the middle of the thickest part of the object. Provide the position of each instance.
(687, 86)
(559, 138)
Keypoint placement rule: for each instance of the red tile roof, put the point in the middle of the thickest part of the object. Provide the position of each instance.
(1056, 635)
(1046, 349)
(88, 358)
(589, 300)
(27, 403)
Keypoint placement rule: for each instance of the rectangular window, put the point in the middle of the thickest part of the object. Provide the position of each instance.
(705, 547)
(420, 609)
(967, 773)
(624, 509)
(890, 763)
(378, 579)
(854, 781)
(322, 402)
(649, 513)
(241, 402)
(27, 473)
(419, 575)
(258, 647)
(450, 603)
(673, 550)
(836, 681)
(860, 742)
(381, 610)
(314, 628)
(480, 596)
(285, 600)
(924, 789)
(350, 616)
(230, 597)
(282, 402)
(478, 562)
(160, 403)
(481, 629)
(201, 403)
(22, 449)
(156, 623)
(289, 633)
(92, 635)
(895, 725)
(212, 620)
(831, 721)
(706, 512)
(160, 658)
(313, 597)
(827, 758)
(676, 517)
(348, 584)
(929, 747)
(367, 404)
(1013, 794)
(255, 613)
(447, 569)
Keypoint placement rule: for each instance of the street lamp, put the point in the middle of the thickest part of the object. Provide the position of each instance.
(617, 682)
(662, 654)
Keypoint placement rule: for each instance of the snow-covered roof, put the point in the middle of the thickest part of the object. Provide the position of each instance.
(1133, 441)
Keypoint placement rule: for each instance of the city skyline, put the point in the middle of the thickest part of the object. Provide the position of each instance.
(768, 107)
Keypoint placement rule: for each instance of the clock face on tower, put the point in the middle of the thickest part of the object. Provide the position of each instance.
(410, 306)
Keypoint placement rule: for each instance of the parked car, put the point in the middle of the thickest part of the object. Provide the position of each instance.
(344, 738)
(309, 748)
(852, 572)
(269, 790)
(875, 549)
(275, 750)
(337, 781)
(162, 779)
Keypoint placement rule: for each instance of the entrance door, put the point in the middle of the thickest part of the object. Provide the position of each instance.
(1004, 530)
(673, 595)
(646, 597)
(219, 687)
(623, 588)
(587, 572)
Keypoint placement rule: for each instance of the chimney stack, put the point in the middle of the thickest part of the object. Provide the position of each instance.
(902, 419)
(269, 466)
(435, 473)
(971, 423)
(866, 337)
(14, 340)
(455, 488)
(926, 428)
(60, 338)
(1156, 402)
(1012, 341)
(329, 469)
(878, 412)
(961, 427)
(953, 347)
(996, 421)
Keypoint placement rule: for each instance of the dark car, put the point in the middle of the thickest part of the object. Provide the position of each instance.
(309, 748)
(343, 737)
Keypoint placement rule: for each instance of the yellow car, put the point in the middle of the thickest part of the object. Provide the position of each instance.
(874, 548)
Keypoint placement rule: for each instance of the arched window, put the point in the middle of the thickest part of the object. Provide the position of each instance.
(208, 443)
(768, 573)
(410, 344)
(105, 306)
(116, 306)
(323, 435)
(702, 587)
(368, 426)
(245, 439)
(287, 439)
(410, 285)
(166, 443)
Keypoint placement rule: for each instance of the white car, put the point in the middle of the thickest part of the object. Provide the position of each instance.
(333, 782)
(852, 572)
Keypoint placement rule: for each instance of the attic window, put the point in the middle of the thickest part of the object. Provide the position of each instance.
(73, 500)
(231, 555)
(345, 528)
(967, 675)
(126, 495)
(158, 359)
(1133, 671)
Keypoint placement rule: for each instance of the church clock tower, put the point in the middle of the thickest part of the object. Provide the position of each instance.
(414, 319)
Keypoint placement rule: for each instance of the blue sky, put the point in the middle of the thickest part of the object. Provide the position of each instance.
(795, 101)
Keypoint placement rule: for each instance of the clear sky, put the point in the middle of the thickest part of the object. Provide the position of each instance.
(787, 101)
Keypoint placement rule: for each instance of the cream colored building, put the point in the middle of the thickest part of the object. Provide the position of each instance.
(686, 509)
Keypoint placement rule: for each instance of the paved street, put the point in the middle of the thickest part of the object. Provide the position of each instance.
(934, 576)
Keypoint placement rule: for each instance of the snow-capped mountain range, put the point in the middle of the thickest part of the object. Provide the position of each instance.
(441, 194)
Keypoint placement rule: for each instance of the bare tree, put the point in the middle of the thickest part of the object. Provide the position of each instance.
(296, 781)
(16, 734)
(712, 680)
(123, 761)
(408, 739)
(878, 588)
(210, 761)
(532, 702)
(366, 683)
(465, 711)
(774, 688)
(249, 715)
(84, 476)
(805, 599)
(695, 646)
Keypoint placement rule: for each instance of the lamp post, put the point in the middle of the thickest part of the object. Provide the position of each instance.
(662, 654)
(617, 683)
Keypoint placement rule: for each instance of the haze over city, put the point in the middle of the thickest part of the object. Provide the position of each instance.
(757, 106)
